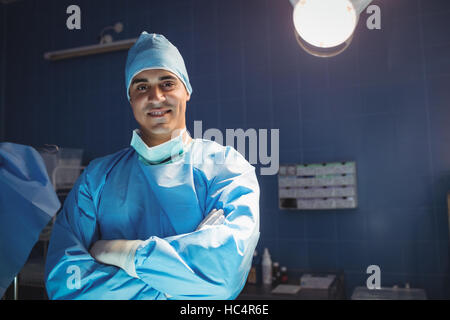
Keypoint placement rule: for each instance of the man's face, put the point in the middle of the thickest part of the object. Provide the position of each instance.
(158, 99)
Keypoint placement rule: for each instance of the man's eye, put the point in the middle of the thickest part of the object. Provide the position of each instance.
(168, 84)
(140, 88)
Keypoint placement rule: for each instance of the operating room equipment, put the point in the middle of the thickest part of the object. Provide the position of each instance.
(27, 203)
(106, 44)
(324, 28)
(107, 38)
(63, 165)
(318, 186)
(89, 50)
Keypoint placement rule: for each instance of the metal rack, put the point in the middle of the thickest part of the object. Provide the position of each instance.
(321, 186)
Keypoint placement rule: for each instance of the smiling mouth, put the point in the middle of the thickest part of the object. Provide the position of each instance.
(158, 113)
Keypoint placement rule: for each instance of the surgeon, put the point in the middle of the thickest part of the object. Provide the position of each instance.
(169, 217)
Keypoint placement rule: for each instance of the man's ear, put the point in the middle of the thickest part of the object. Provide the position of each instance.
(188, 97)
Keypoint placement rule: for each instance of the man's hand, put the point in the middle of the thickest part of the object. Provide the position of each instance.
(119, 253)
(215, 217)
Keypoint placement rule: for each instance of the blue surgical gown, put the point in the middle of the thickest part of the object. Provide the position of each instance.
(120, 197)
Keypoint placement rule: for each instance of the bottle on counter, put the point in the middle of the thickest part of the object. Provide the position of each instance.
(276, 273)
(266, 268)
(284, 276)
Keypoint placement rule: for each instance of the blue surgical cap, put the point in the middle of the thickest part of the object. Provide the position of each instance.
(154, 51)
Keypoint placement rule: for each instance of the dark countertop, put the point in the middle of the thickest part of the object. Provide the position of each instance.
(336, 291)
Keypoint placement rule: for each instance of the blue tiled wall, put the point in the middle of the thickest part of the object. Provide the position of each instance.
(2, 69)
(384, 103)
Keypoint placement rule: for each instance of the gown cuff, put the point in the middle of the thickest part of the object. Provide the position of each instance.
(129, 265)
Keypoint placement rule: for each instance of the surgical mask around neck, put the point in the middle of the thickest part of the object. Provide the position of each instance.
(160, 153)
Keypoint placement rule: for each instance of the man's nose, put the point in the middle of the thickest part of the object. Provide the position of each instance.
(155, 94)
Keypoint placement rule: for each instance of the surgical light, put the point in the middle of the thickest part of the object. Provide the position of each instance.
(324, 28)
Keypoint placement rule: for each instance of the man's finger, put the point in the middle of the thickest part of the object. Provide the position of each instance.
(214, 217)
(219, 220)
(211, 218)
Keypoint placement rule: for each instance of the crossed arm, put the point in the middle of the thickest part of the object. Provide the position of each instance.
(121, 253)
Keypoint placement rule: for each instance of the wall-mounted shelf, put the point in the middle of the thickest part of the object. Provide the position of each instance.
(89, 50)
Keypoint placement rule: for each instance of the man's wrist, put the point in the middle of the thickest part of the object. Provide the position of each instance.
(128, 264)
(119, 253)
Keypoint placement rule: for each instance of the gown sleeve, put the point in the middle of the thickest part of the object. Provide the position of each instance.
(211, 263)
(71, 272)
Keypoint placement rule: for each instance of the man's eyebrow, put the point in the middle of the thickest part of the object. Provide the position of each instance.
(138, 80)
(167, 78)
